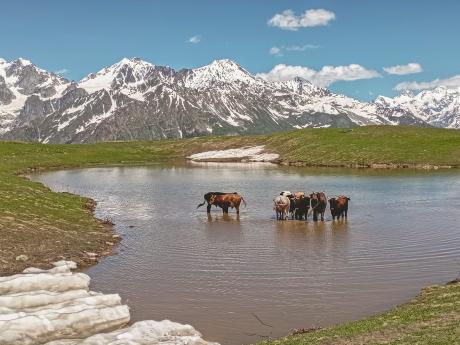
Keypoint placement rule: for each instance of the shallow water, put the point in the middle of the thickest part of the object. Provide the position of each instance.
(228, 275)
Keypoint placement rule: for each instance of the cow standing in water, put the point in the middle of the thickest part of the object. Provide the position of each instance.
(281, 205)
(223, 200)
(339, 207)
(302, 204)
(318, 203)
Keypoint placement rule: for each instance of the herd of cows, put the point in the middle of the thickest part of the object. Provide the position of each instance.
(297, 205)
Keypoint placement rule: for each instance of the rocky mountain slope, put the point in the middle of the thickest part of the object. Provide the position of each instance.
(134, 99)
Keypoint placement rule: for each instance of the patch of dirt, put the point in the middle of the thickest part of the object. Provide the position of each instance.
(27, 241)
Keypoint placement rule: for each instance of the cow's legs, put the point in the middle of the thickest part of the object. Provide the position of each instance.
(315, 216)
(237, 209)
(209, 208)
(322, 216)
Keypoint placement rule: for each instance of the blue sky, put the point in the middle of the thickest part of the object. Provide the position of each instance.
(82, 36)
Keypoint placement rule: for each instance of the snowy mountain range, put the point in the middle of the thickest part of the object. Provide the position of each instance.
(134, 99)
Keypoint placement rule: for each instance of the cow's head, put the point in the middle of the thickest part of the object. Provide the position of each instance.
(343, 199)
(212, 198)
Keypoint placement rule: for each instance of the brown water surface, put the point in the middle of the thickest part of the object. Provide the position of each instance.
(222, 273)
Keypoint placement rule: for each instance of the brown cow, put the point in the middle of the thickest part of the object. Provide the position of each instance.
(339, 207)
(223, 200)
(301, 205)
(318, 203)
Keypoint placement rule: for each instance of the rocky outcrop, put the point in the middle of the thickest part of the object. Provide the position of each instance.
(56, 307)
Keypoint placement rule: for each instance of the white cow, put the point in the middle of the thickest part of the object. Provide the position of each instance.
(281, 207)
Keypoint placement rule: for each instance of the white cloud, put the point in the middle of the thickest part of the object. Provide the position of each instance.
(324, 77)
(275, 51)
(451, 83)
(62, 71)
(410, 68)
(287, 20)
(195, 39)
(278, 51)
(301, 48)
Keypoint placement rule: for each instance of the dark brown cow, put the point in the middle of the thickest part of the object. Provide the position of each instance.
(223, 200)
(318, 202)
(302, 204)
(339, 207)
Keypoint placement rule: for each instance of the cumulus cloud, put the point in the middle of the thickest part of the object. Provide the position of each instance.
(410, 68)
(287, 20)
(62, 71)
(195, 39)
(324, 77)
(451, 83)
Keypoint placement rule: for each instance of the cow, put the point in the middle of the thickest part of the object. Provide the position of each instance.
(223, 200)
(281, 207)
(318, 201)
(339, 207)
(302, 204)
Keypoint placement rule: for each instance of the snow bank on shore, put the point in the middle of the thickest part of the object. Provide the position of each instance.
(55, 307)
(251, 154)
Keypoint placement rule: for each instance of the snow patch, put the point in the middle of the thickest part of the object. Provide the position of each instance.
(144, 333)
(55, 307)
(252, 154)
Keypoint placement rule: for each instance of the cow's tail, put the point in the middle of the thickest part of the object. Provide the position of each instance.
(199, 205)
(244, 201)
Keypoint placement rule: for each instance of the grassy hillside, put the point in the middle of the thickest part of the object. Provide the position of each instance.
(46, 226)
(368, 145)
(433, 317)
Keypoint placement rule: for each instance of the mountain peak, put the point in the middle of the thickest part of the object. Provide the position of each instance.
(125, 71)
(224, 62)
(22, 62)
(132, 61)
(226, 65)
(219, 71)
